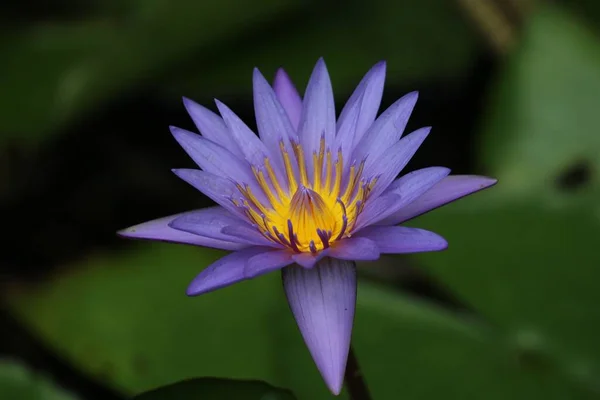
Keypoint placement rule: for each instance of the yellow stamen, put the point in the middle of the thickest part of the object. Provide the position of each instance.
(301, 163)
(273, 179)
(301, 216)
(289, 170)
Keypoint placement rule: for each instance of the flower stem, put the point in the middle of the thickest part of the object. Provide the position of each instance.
(355, 383)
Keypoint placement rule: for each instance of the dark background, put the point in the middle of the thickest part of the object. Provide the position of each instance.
(88, 90)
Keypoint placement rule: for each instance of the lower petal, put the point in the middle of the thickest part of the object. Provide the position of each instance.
(323, 300)
(160, 230)
(401, 239)
(224, 272)
(447, 190)
(354, 249)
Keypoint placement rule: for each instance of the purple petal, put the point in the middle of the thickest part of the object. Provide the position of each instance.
(211, 126)
(267, 262)
(408, 188)
(361, 109)
(210, 223)
(223, 272)
(447, 190)
(377, 209)
(387, 129)
(218, 189)
(159, 230)
(354, 249)
(248, 234)
(394, 159)
(318, 112)
(346, 129)
(308, 260)
(253, 149)
(399, 194)
(401, 239)
(272, 120)
(212, 157)
(323, 300)
(288, 96)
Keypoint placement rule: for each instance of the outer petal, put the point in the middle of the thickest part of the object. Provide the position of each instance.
(318, 112)
(159, 230)
(387, 129)
(377, 208)
(266, 262)
(401, 239)
(245, 232)
(354, 249)
(212, 157)
(218, 189)
(361, 109)
(288, 97)
(399, 194)
(254, 151)
(211, 126)
(211, 223)
(223, 272)
(394, 159)
(323, 300)
(273, 123)
(449, 189)
(308, 260)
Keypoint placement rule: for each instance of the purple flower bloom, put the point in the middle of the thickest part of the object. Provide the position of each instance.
(310, 195)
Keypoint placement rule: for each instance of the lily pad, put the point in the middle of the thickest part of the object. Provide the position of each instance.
(17, 382)
(216, 389)
(126, 320)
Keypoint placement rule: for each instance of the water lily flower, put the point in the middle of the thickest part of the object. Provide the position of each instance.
(309, 196)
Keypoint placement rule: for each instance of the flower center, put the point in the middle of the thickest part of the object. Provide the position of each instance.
(307, 213)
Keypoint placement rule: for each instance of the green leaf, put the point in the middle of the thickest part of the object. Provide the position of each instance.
(544, 114)
(524, 253)
(217, 389)
(126, 320)
(17, 382)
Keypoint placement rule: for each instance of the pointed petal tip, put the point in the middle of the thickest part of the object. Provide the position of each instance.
(177, 132)
(381, 66)
(323, 301)
(126, 233)
(257, 75)
(281, 74)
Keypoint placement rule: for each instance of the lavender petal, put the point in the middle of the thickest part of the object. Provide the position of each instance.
(273, 123)
(447, 190)
(394, 159)
(218, 189)
(212, 157)
(308, 260)
(223, 272)
(355, 249)
(159, 230)
(247, 233)
(210, 222)
(361, 109)
(211, 126)
(387, 129)
(401, 239)
(267, 262)
(253, 149)
(399, 194)
(318, 111)
(288, 97)
(323, 300)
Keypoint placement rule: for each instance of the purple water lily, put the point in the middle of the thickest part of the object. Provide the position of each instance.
(309, 196)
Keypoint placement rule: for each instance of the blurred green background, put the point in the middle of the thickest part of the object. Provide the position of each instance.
(88, 89)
